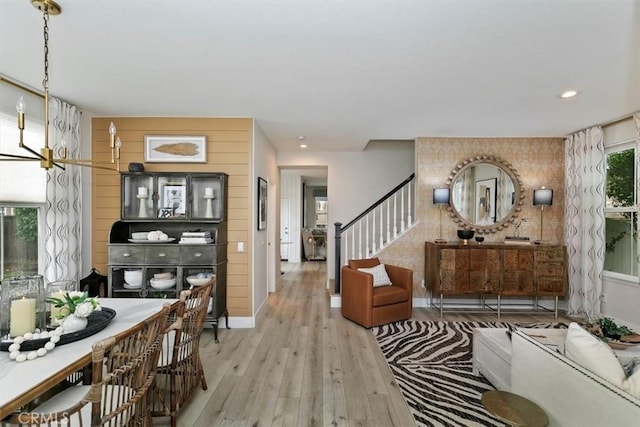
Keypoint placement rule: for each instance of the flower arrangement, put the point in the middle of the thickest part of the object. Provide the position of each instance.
(517, 225)
(76, 303)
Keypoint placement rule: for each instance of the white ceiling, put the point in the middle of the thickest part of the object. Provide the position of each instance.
(340, 72)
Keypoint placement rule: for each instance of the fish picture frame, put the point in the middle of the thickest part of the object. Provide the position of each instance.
(175, 149)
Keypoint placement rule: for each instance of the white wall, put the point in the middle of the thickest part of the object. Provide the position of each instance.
(355, 179)
(263, 254)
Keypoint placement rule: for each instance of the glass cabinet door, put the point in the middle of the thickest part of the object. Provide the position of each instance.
(206, 193)
(172, 197)
(137, 196)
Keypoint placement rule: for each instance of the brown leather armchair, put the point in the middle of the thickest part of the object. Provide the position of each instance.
(372, 306)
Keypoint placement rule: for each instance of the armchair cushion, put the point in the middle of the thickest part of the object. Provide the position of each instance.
(379, 273)
(389, 295)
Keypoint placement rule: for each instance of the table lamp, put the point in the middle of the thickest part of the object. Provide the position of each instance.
(542, 197)
(440, 198)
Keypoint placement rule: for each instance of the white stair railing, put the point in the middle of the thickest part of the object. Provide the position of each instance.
(377, 227)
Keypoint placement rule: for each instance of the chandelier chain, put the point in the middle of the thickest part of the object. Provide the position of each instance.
(45, 81)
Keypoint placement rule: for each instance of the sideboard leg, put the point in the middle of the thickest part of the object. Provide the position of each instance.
(499, 300)
(441, 304)
(215, 330)
(556, 309)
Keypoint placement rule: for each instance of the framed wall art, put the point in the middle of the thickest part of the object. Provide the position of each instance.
(262, 204)
(175, 149)
(174, 198)
(486, 201)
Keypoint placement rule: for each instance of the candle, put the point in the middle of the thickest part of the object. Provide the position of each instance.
(55, 311)
(143, 191)
(208, 191)
(22, 316)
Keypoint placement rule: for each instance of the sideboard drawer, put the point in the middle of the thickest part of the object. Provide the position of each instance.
(550, 286)
(550, 269)
(198, 255)
(163, 254)
(556, 255)
(125, 255)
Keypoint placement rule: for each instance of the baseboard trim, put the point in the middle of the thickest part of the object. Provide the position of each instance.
(234, 322)
(336, 300)
(421, 302)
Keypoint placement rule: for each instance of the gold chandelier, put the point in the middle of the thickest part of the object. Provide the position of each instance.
(46, 156)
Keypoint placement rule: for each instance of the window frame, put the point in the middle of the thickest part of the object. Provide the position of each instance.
(629, 144)
(41, 230)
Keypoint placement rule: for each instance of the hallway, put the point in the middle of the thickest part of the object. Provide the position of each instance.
(303, 365)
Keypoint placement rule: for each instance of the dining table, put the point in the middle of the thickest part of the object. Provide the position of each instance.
(21, 383)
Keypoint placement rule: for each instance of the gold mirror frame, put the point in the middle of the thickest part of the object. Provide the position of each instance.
(504, 222)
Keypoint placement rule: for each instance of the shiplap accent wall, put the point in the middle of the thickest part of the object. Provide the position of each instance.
(229, 142)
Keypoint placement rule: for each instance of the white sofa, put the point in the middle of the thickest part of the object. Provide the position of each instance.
(568, 393)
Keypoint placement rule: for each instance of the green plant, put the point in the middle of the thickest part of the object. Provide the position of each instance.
(611, 329)
(621, 190)
(27, 226)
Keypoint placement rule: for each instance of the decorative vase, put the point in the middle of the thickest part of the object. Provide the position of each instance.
(21, 305)
(73, 323)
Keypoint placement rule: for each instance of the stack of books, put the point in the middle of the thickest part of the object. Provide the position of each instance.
(194, 237)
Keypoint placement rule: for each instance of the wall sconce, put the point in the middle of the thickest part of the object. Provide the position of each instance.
(440, 198)
(542, 197)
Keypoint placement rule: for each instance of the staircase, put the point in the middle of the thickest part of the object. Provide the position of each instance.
(375, 228)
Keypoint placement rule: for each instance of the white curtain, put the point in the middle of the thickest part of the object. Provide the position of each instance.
(584, 220)
(505, 195)
(463, 192)
(64, 203)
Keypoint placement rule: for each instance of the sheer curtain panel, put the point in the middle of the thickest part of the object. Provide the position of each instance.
(64, 197)
(584, 220)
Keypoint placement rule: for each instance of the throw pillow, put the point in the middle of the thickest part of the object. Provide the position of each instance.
(593, 354)
(379, 273)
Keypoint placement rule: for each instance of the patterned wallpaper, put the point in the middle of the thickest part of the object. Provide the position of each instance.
(539, 161)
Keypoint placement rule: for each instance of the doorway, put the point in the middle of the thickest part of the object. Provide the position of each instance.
(304, 214)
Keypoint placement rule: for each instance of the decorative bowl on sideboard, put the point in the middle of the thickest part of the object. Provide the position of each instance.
(465, 234)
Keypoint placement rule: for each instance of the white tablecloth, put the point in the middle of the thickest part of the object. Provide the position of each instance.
(18, 378)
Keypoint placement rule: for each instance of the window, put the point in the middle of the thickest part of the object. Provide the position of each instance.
(621, 210)
(321, 211)
(22, 188)
(19, 240)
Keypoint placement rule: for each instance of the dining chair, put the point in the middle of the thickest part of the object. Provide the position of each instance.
(180, 370)
(123, 371)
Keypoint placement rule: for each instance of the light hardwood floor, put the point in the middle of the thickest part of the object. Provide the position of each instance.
(303, 364)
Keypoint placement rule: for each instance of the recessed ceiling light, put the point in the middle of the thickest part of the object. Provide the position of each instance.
(301, 138)
(569, 94)
(303, 145)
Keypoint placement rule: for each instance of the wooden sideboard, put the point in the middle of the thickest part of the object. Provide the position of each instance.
(495, 269)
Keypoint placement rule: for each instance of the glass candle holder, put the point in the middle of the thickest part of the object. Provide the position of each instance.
(22, 307)
(59, 290)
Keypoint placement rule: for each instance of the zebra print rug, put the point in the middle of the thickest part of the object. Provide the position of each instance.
(431, 362)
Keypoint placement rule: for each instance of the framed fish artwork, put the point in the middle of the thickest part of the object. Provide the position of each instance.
(175, 149)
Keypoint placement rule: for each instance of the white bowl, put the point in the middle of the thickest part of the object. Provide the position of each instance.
(163, 276)
(162, 284)
(198, 281)
(133, 277)
(142, 235)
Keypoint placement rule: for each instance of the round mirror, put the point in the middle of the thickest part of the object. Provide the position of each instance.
(486, 194)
